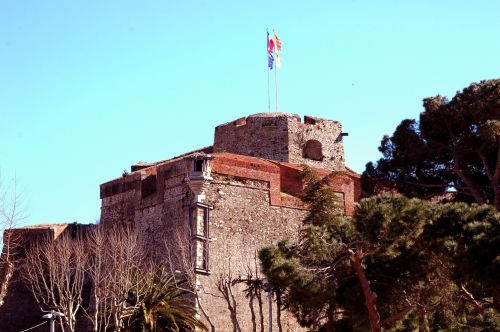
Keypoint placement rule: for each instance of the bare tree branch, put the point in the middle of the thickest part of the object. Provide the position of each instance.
(12, 212)
(55, 272)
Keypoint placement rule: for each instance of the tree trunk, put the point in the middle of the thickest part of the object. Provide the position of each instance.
(495, 182)
(278, 310)
(370, 297)
(496, 298)
(205, 314)
(315, 322)
(252, 313)
(8, 270)
(496, 200)
(329, 324)
(261, 310)
(472, 186)
(470, 298)
(231, 305)
(424, 322)
(398, 316)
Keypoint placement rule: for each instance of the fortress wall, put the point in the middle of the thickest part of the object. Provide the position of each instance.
(241, 223)
(263, 135)
(283, 137)
(119, 199)
(164, 214)
(326, 132)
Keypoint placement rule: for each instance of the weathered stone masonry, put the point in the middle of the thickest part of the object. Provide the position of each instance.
(283, 137)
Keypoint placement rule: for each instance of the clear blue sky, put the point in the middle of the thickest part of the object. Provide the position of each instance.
(88, 88)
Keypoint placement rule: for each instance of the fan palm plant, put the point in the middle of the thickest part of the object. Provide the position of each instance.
(164, 307)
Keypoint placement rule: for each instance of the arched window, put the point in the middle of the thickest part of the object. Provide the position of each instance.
(313, 150)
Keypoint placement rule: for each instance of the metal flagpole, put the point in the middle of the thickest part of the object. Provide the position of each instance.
(276, 82)
(268, 79)
(268, 88)
(275, 74)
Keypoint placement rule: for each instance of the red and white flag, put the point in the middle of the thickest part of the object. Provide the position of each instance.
(270, 46)
(278, 43)
(278, 61)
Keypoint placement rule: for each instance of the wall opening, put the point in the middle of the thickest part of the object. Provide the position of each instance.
(313, 150)
(198, 165)
(309, 120)
(148, 186)
(240, 122)
(199, 216)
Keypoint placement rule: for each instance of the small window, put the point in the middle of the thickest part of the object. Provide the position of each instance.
(313, 150)
(148, 186)
(240, 122)
(198, 165)
(269, 124)
(204, 264)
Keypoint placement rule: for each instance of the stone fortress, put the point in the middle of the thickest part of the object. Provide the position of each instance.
(230, 200)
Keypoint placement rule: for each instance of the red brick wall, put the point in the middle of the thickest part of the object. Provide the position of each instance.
(285, 178)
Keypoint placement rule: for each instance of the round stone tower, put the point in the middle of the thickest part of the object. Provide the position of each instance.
(283, 137)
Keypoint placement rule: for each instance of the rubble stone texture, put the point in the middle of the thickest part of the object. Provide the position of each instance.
(283, 137)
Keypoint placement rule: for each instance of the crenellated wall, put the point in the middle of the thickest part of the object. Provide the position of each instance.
(283, 137)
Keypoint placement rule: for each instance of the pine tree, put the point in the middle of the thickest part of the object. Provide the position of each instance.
(454, 148)
(398, 264)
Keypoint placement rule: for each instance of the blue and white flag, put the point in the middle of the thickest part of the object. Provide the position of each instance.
(270, 61)
(270, 58)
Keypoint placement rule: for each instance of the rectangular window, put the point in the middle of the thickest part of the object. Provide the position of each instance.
(199, 218)
(148, 186)
(198, 165)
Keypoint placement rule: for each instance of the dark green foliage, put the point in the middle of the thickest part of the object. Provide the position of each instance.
(470, 237)
(302, 270)
(453, 148)
(431, 265)
(164, 307)
(425, 253)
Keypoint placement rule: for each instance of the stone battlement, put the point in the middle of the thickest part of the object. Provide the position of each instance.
(283, 137)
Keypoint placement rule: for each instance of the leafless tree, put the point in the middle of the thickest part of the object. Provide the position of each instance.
(96, 270)
(116, 268)
(180, 251)
(11, 212)
(55, 273)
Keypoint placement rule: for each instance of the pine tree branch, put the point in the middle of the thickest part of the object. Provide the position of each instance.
(470, 298)
(370, 296)
(398, 316)
(475, 190)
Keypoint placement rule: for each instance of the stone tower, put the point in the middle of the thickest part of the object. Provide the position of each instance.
(283, 137)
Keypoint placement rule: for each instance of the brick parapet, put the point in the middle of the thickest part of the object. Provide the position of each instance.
(152, 186)
(285, 178)
(250, 168)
